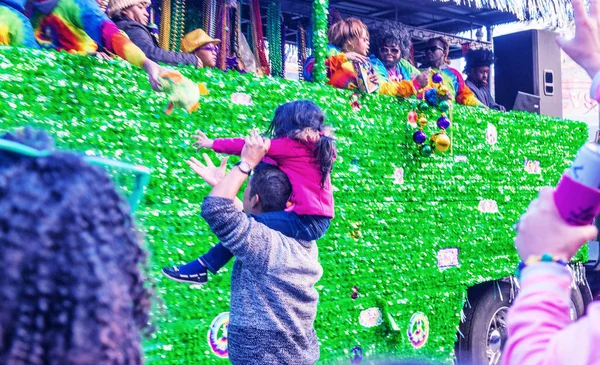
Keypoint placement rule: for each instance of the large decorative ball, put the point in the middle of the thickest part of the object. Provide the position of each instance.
(443, 122)
(426, 150)
(437, 78)
(444, 105)
(423, 106)
(442, 142)
(419, 137)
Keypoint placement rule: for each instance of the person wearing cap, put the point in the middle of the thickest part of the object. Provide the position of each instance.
(478, 72)
(15, 28)
(80, 27)
(201, 45)
(131, 16)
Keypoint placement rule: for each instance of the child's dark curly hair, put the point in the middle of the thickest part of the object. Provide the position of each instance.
(392, 32)
(71, 286)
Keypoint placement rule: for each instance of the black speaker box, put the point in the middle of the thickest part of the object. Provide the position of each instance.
(529, 61)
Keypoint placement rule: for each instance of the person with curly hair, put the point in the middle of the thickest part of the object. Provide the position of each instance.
(436, 58)
(390, 53)
(478, 72)
(71, 285)
(347, 58)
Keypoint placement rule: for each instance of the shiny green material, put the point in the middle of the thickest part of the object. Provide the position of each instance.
(320, 11)
(394, 209)
(444, 106)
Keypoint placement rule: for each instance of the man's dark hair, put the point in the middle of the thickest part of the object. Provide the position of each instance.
(272, 186)
(478, 58)
(71, 286)
(392, 32)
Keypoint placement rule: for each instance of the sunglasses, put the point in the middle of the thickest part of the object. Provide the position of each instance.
(434, 48)
(141, 173)
(392, 50)
(210, 48)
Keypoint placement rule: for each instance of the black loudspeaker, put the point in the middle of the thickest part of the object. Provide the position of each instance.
(529, 61)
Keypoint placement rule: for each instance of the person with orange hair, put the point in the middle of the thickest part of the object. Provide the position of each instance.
(436, 55)
(347, 52)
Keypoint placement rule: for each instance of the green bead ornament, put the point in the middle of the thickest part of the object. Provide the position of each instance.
(444, 106)
(423, 106)
(426, 150)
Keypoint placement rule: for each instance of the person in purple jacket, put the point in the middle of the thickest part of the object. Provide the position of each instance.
(303, 150)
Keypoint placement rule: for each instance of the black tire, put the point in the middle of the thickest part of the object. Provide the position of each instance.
(484, 338)
(578, 303)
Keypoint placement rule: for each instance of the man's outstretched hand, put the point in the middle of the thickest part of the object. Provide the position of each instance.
(208, 172)
(255, 148)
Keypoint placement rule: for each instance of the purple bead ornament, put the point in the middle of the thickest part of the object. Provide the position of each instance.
(419, 137)
(443, 122)
(437, 78)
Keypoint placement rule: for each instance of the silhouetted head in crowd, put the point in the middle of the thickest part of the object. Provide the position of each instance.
(71, 285)
(390, 42)
(478, 63)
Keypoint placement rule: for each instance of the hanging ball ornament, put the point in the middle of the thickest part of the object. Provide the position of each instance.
(419, 137)
(443, 122)
(422, 121)
(442, 142)
(437, 78)
(423, 106)
(413, 116)
(443, 90)
(444, 106)
(426, 150)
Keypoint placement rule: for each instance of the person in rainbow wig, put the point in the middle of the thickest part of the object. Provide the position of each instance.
(15, 28)
(80, 27)
(436, 56)
(390, 51)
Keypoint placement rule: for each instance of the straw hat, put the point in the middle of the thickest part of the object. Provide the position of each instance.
(196, 39)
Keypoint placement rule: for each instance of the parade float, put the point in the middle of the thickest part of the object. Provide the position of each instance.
(419, 260)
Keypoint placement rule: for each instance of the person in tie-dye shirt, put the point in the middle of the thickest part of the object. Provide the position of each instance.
(15, 28)
(348, 46)
(390, 52)
(79, 26)
(436, 56)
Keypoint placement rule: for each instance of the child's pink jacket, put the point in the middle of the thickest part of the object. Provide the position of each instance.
(539, 327)
(296, 160)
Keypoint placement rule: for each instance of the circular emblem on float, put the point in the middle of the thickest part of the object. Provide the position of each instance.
(217, 335)
(418, 330)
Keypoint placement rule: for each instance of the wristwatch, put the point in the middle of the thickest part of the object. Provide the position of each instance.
(244, 167)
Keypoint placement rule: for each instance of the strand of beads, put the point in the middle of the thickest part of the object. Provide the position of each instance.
(439, 141)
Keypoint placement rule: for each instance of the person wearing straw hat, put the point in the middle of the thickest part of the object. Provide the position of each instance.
(131, 16)
(201, 45)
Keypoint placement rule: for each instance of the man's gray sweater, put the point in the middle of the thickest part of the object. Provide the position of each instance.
(273, 295)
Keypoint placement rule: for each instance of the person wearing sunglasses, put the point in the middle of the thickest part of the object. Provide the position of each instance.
(347, 57)
(131, 16)
(436, 58)
(390, 52)
(202, 46)
(71, 264)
